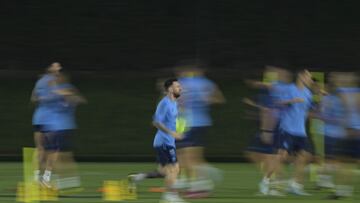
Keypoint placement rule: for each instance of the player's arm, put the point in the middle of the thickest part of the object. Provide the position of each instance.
(71, 94)
(252, 103)
(258, 84)
(162, 127)
(79, 97)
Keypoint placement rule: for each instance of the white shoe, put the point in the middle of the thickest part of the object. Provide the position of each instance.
(212, 173)
(276, 193)
(201, 186)
(325, 181)
(299, 192)
(171, 198)
(264, 188)
(132, 181)
(181, 183)
(297, 189)
(326, 185)
(344, 190)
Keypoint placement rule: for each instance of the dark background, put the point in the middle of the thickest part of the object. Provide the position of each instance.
(116, 50)
(143, 34)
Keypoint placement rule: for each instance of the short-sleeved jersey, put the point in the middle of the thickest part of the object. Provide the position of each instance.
(293, 116)
(45, 97)
(351, 99)
(195, 100)
(166, 114)
(332, 110)
(276, 93)
(62, 115)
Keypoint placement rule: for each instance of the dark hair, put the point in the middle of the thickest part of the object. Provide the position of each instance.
(169, 82)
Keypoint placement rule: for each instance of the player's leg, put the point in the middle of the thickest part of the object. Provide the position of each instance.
(204, 176)
(302, 157)
(301, 161)
(166, 156)
(39, 145)
(51, 153)
(135, 178)
(187, 158)
(328, 169)
(345, 178)
(66, 166)
(185, 170)
(262, 154)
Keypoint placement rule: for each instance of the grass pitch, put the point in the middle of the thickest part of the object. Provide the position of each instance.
(239, 185)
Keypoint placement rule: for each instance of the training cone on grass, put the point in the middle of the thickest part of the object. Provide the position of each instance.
(32, 192)
(118, 191)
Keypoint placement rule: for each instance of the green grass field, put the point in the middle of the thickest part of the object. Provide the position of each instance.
(239, 186)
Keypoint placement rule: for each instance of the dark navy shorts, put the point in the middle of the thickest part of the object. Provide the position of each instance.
(257, 144)
(332, 147)
(39, 128)
(58, 141)
(350, 148)
(166, 155)
(292, 143)
(193, 138)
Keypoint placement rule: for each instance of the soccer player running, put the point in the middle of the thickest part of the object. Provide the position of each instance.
(164, 143)
(57, 140)
(262, 149)
(332, 113)
(296, 102)
(41, 96)
(349, 93)
(198, 94)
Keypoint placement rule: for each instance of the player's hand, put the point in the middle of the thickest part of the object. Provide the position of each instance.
(177, 136)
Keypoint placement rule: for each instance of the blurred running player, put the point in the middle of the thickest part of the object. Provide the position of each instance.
(349, 92)
(164, 141)
(262, 149)
(332, 113)
(42, 97)
(57, 140)
(296, 102)
(198, 94)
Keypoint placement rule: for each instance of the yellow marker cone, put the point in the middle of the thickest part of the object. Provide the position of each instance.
(30, 190)
(112, 191)
(118, 191)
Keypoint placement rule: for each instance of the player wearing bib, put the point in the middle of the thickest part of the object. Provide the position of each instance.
(296, 102)
(164, 142)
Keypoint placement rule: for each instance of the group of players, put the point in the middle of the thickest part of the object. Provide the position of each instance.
(182, 118)
(54, 122)
(284, 108)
